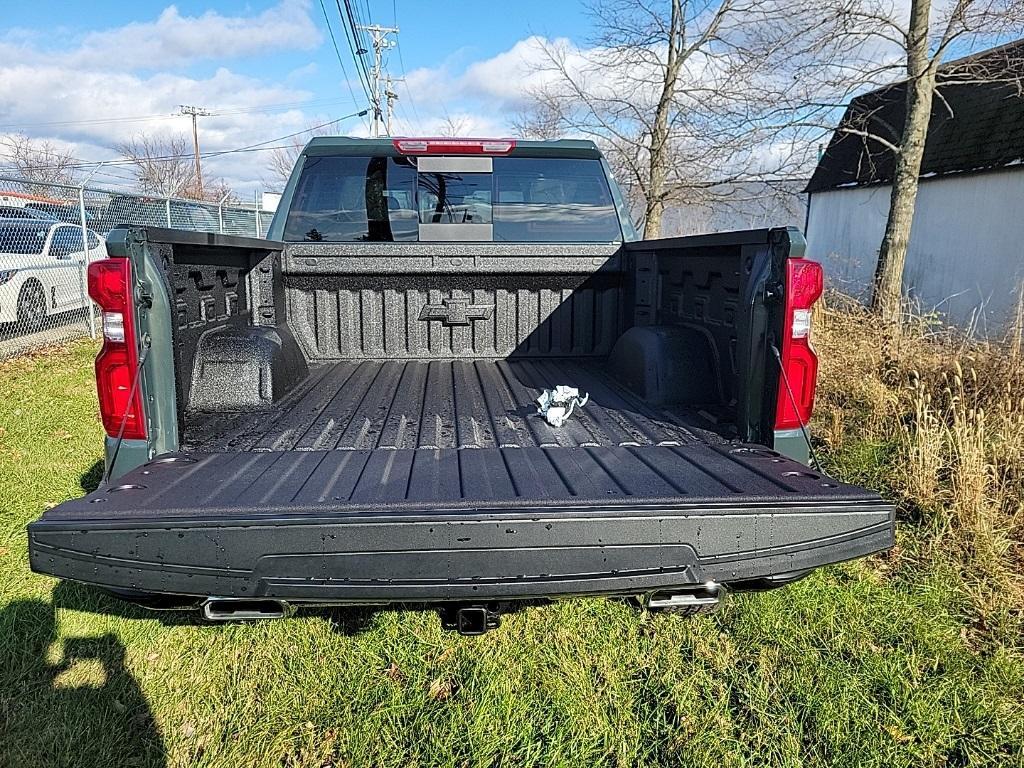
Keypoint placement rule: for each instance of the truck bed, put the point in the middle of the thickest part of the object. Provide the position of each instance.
(437, 481)
(319, 454)
(367, 405)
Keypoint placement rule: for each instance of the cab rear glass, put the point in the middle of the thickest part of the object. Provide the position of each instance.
(521, 199)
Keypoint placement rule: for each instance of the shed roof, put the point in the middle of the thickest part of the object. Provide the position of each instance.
(977, 123)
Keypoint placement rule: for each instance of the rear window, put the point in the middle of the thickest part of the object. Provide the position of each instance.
(354, 199)
(521, 199)
(22, 240)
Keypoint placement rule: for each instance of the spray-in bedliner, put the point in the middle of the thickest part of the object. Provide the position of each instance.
(451, 524)
(397, 404)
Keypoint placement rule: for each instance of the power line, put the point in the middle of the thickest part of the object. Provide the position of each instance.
(122, 162)
(293, 135)
(258, 147)
(97, 121)
(359, 25)
(10, 169)
(169, 115)
(401, 63)
(363, 21)
(337, 52)
(353, 47)
(118, 176)
(359, 52)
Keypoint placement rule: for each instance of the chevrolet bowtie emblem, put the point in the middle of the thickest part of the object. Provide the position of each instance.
(456, 312)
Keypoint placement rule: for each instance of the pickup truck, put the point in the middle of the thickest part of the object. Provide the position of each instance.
(346, 412)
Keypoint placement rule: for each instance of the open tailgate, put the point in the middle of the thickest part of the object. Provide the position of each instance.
(387, 525)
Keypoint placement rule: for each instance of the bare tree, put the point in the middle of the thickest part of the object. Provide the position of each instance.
(687, 97)
(279, 167)
(283, 159)
(39, 160)
(925, 39)
(163, 165)
(217, 190)
(453, 126)
(542, 119)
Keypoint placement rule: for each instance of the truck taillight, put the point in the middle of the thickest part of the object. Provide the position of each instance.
(110, 286)
(804, 284)
(454, 146)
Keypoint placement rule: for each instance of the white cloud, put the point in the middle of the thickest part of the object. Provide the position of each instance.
(83, 97)
(480, 96)
(174, 39)
(501, 81)
(303, 73)
(41, 99)
(488, 93)
(511, 74)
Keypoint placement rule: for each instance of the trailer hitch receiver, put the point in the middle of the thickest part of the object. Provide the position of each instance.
(470, 620)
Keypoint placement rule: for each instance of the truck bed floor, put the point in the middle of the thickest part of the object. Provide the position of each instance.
(366, 405)
(399, 481)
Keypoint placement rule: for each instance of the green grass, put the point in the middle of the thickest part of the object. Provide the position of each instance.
(867, 664)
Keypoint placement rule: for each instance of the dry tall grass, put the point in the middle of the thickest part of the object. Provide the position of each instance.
(938, 420)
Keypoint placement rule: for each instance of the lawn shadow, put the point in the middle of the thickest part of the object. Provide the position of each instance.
(90, 479)
(177, 612)
(81, 597)
(60, 707)
(345, 620)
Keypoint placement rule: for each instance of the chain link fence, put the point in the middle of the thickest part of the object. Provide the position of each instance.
(49, 233)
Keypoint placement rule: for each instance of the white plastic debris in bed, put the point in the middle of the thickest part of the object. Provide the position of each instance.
(556, 405)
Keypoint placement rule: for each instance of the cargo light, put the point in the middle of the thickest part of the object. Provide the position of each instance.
(454, 146)
(799, 376)
(110, 282)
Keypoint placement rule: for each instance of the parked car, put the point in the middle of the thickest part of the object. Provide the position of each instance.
(453, 374)
(66, 212)
(26, 212)
(184, 214)
(42, 269)
(15, 205)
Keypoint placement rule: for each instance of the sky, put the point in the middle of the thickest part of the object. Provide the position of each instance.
(88, 75)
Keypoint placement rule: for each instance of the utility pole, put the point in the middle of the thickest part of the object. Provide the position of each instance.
(196, 112)
(392, 97)
(380, 44)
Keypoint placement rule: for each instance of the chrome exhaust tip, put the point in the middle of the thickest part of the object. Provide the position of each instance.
(701, 598)
(244, 609)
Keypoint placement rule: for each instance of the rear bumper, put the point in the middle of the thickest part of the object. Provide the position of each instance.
(475, 556)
